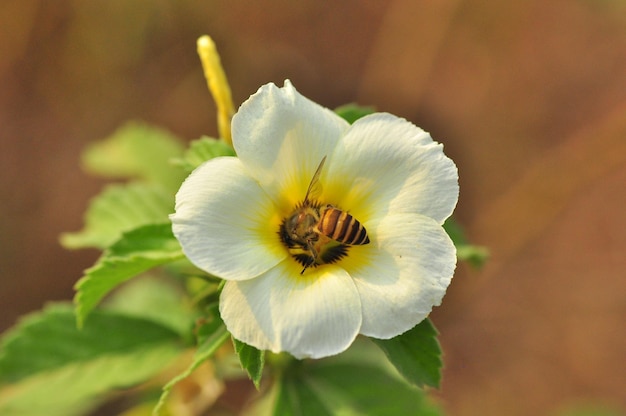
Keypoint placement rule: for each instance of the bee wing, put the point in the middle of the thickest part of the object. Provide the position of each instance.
(315, 187)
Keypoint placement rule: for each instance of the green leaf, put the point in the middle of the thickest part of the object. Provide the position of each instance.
(202, 150)
(365, 389)
(55, 369)
(139, 151)
(49, 339)
(416, 354)
(120, 208)
(211, 335)
(353, 112)
(137, 251)
(474, 255)
(339, 386)
(252, 360)
(157, 299)
(296, 397)
(455, 231)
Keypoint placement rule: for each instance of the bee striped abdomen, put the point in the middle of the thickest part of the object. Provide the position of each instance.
(342, 227)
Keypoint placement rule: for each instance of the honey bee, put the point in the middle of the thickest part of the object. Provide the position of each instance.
(316, 234)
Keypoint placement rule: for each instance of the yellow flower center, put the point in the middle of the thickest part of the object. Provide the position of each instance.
(316, 234)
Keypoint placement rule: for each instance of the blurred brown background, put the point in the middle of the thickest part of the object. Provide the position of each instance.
(529, 98)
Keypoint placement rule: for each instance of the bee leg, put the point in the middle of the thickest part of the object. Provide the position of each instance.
(313, 251)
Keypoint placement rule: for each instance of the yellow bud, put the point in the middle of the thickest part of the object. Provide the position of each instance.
(218, 85)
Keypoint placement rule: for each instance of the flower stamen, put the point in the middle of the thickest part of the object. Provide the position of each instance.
(316, 233)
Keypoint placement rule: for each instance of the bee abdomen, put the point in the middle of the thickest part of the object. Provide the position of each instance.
(343, 227)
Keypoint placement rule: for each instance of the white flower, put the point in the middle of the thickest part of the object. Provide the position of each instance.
(386, 172)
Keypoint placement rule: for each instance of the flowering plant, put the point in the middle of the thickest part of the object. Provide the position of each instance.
(298, 231)
(231, 213)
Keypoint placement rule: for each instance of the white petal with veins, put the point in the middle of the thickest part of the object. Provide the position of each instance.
(314, 316)
(225, 222)
(284, 136)
(403, 275)
(385, 164)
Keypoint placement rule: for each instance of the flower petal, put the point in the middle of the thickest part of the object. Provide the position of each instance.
(225, 223)
(281, 137)
(386, 164)
(402, 274)
(315, 315)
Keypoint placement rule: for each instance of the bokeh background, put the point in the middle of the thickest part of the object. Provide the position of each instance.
(529, 98)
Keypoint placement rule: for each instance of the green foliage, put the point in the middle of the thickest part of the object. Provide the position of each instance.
(295, 397)
(353, 112)
(48, 366)
(367, 390)
(137, 251)
(143, 154)
(252, 360)
(55, 369)
(155, 298)
(202, 150)
(211, 335)
(354, 383)
(137, 151)
(474, 255)
(416, 354)
(120, 208)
